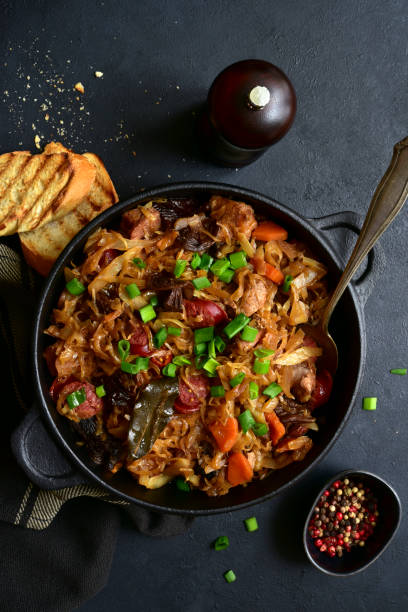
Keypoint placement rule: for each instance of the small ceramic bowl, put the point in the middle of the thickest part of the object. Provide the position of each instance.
(358, 558)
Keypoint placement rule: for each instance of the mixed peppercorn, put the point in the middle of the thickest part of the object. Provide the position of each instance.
(344, 517)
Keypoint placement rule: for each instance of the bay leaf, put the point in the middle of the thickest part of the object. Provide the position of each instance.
(152, 411)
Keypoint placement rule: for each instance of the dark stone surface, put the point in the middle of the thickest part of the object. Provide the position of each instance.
(348, 64)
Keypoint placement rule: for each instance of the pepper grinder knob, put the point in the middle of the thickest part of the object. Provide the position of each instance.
(259, 97)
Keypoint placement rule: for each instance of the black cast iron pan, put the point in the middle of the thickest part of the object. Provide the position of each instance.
(63, 464)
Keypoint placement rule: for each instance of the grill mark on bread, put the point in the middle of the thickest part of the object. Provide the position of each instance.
(42, 246)
(27, 206)
(11, 174)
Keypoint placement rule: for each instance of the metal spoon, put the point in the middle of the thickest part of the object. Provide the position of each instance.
(388, 199)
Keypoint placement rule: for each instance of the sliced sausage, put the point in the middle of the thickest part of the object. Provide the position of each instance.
(191, 395)
(203, 313)
(92, 404)
(107, 257)
(139, 342)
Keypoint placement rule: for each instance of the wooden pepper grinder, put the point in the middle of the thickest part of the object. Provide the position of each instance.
(250, 106)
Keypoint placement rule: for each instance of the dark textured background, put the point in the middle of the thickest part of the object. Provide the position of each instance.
(348, 63)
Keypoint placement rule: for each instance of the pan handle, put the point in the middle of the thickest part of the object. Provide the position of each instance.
(337, 226)
(40, 458)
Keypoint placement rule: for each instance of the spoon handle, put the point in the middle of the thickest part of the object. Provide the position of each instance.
(388, 199)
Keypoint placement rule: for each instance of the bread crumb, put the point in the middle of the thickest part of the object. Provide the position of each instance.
(98, 74)
(79, 87)
(37, 141)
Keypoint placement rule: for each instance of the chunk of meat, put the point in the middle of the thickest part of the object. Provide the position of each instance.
(91, 406)
(138, 223)
(255, 294)
(303, 380)
(203, 313)
(233, 218)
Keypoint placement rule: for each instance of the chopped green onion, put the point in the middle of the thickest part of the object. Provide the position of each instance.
(204, 334)
(160, 338)
(129, 368)
(211, 365)
(147, 313)
(237, 380)
(370, 403)
(174, 331)
(217, 391)
(246, 420)
(286, 283)
(227, 276)
(263, 352)
(199, 361)
(253, 390)
(399, 371)
(260, 429)
(221, 543)
(236, 325)
(170, 370)
(179, 267)
(75, 287)
(220, 266)
(182, 485)
(141, 363)
(230, 576)
(272, 390)
(100, 391)
(179, 360)
(132, 290)
(238, 260)
(200, 348)
(206, 261)
(123, 349)
(249, 333)
(211, 348)
(76, 398)
(251, 524)
(261, 367)
(139, 262)
(219, 344)
(201, 282)
(195, 262)
(154, 300)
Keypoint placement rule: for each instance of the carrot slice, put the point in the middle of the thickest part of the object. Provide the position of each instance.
(268, 230)
(274, 274)
(225, 434)
(276, 427)
(239, 469)
(264, 268)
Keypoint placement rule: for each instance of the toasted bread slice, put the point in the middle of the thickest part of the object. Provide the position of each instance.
(35, 189)
(42, 246)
